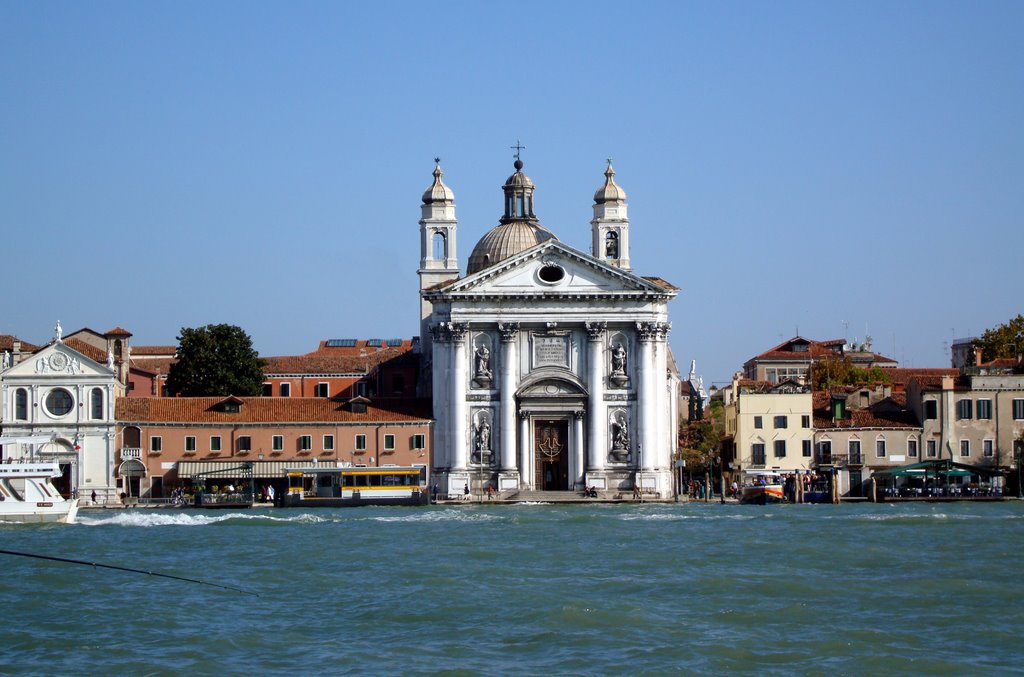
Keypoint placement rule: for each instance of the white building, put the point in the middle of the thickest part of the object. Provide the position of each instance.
(549, 367)
(67, 399)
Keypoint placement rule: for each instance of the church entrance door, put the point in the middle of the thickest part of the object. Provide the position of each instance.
(551, 442)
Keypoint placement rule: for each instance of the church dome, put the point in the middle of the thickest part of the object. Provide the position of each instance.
(506, 240)
(439, 190)
(518, 229)
(610, 191)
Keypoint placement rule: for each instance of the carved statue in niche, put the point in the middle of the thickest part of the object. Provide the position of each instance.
(620, 439)
(618, 375)
(482, 442)
(482, 366)
(6, 361)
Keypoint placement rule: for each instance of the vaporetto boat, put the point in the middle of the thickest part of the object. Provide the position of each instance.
(762, 487)
(333, 487)
(28, 495)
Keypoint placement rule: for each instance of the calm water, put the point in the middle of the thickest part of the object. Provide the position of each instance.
(536, 589)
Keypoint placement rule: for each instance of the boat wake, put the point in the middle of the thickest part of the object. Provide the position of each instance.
(137, 518)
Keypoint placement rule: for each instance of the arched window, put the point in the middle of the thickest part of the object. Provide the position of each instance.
(440, 246)
(96, 403)
(21, 404)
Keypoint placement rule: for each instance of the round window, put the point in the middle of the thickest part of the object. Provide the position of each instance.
(551, 274)
(59, 402)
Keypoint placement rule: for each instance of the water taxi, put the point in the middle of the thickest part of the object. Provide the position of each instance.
(28, 495)
(313, 486)
(762, 487)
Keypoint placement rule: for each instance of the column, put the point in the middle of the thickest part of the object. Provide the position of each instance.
(647, 399)
(663, 458)
(596, 416)
(459, 417)
(577, 434)
(525, 449)
(439, 389)
(509, 367)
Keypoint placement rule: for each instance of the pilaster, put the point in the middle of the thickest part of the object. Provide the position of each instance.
(595, 404)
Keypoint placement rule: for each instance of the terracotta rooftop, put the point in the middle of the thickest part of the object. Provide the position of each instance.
(89, 350)
(357, 347)
(661, 283)
(154, 365)
(891, 412)
(816, 350)
(118, 331)
(7, 343)
(267, 410)
(142, 351)
(325, 363)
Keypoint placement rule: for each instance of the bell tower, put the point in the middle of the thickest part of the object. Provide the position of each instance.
(610, 225)
(438, 262)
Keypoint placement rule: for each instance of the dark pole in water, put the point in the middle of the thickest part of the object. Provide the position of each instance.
(117, 568)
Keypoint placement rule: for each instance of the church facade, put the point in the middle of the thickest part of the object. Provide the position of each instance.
(548, 367)
(58, 406)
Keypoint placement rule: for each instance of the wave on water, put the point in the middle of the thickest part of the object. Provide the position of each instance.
(139, 518)
(678, 516)
(448, 515)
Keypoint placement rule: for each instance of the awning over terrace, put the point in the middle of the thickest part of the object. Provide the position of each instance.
(261, 470)
(939, 468)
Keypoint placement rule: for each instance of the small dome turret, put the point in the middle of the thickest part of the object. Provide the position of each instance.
(517, 230)
(439, 190)
(610, 191)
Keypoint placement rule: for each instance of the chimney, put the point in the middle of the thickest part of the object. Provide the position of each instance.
(977, 357)
(947, 382)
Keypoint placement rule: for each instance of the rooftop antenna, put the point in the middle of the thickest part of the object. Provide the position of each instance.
(846, 330)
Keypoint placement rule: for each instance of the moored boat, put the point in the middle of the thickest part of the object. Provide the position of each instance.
(28, 495)
(762, 487)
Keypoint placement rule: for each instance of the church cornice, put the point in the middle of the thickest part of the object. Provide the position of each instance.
(641, 287)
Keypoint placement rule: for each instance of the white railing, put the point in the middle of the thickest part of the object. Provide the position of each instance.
(131, 452)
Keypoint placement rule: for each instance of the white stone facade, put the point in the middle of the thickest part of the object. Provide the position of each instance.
(63, 396)
(549, 371)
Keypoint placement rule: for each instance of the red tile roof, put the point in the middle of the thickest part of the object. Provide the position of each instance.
(154, 365)
(816, 350)
(321, 363)
(891, 412)
(902, 376)
(362, 347)
(118, 331)
(268, 410)
(154, 350)
(661, 283)
(87, 349)
(7, 343)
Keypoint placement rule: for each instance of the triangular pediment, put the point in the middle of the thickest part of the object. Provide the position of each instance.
(554, 269)
(57, 360)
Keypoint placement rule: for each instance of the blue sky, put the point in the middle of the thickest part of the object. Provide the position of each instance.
(838, 168)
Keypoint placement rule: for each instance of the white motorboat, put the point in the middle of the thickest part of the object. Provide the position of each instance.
(28, 495)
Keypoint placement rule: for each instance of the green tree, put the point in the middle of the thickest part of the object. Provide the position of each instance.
(217, 359)
(837, 370)
(700, 442)
(1006, 340)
